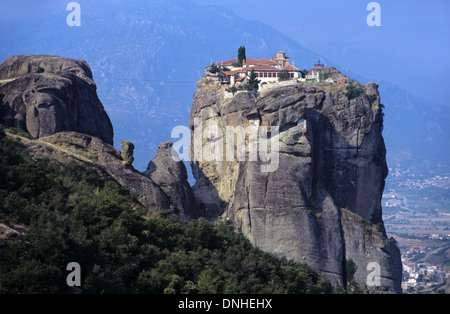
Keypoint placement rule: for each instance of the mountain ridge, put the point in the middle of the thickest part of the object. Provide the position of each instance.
(149, 74)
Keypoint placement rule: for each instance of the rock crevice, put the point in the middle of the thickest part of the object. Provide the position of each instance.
(322, 204)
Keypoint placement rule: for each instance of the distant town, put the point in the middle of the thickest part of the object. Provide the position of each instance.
(416, 212)
(419, 276)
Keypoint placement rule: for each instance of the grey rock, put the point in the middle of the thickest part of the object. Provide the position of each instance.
(169, 172)
(332, 167)
(48, 94)
(127, 152)
(107, 160)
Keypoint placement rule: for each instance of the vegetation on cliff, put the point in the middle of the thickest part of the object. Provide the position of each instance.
(71, 214)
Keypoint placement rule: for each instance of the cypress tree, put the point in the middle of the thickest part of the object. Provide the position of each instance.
(241, 55)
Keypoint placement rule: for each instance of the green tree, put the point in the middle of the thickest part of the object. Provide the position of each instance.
(284, 75)
(353, 91)
(214, 68)
(350, 269)
(74, 214)
(241, 55)
(253, 82)
(233, 89)
(323, 76)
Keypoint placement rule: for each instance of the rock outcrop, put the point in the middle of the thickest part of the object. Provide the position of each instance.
(127, 152)
(169, 172)
(107, 160)
(55, 100)
(48, 94)
(321, 202)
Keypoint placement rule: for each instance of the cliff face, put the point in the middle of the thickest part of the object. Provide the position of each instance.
(48, 94)
(171, 176)
(90, 151)
(321, 203)
(55, 100)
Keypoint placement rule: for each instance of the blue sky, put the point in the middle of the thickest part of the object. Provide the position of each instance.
(410, 48)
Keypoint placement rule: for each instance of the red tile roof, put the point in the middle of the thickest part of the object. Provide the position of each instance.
(290, 68)
(262, 68)
(227, 73)
(257, 65)
(263, 61)
(229, 62)
(250, 61)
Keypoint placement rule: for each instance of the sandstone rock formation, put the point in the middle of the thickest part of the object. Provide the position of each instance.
(322, 204)
(48, 94)
(55, 100)
(127, 152)
(107, 160)
(170, 174)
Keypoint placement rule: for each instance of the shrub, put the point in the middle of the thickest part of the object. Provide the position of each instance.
(353, 91)
(284, 75)
(253, 82)
(74, 214)
(214, 69)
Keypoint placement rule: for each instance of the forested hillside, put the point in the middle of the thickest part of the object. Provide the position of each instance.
(68, 213)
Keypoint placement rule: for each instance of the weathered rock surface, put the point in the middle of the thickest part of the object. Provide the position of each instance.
(55, 100)
(127, 152)
(169, 172)
(322, 203)
(107, 160)
(8, 232)
(48, 94)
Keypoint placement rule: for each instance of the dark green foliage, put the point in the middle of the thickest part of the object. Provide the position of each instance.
(349, 273)
(252, 83)
(323, 76)
(74, 215)
(353, 91)
(232, 89)
(284, 75)
(20, 132)
(40, 70)
(241, 55)
(214, 69)
(350, 269)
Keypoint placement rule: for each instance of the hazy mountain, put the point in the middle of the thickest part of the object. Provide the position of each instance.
(416, 129)
(147, 56)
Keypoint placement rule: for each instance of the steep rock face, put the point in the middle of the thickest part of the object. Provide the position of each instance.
(107, 160)
(55, 99)
(331, 162)
(48, 94)
(169, 172)
(127, 152)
